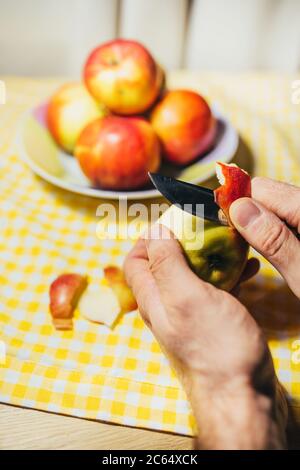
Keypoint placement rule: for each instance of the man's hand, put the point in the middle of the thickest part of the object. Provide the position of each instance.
(261, 221)
(213, 342)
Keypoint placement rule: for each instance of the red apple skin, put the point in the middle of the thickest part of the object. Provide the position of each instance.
(185, 125)
(237, 184)
(64, 293)
(123, 75)
(117, 152)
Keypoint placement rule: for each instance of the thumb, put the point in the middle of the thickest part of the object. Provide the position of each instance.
(269, 235)
(169, 266)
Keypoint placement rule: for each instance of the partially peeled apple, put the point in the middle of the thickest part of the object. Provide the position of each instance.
(216, 253)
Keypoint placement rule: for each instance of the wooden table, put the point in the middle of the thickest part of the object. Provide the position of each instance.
(22, 428)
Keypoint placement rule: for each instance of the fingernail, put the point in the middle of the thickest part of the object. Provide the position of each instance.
(243, 212)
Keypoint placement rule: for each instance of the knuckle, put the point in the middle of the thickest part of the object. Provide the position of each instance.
(260, 185)
(191, 302)
(185, 304)
(160, 258)
(274, 241)
(295, 217)
(291, 211)
(258, 180)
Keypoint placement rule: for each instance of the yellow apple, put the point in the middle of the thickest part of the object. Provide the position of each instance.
(69, 111)
(216, 253)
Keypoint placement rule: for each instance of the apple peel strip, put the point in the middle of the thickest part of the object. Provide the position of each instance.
(235, 183)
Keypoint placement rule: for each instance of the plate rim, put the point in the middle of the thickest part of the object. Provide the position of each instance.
(109, 194)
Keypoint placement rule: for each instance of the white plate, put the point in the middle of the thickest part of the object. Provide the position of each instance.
(38, 149)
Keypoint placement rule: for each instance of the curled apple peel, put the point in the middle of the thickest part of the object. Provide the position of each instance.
(64, 293)
(235, 183)
(116, 280)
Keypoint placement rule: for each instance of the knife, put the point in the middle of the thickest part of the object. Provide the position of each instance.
(196, 200)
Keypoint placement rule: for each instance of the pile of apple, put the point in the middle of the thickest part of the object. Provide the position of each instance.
(121, 121)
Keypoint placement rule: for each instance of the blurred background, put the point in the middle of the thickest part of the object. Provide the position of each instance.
(46, 38)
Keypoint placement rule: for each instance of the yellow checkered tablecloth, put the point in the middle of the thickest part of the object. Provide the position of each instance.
(121, 375)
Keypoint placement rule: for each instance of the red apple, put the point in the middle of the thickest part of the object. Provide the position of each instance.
(117, 152)
(123, 75)
(69, 110)
(185, 125)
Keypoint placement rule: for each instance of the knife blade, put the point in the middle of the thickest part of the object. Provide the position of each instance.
(196, 200)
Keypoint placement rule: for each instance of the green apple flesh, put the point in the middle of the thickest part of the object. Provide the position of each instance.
(216, 253)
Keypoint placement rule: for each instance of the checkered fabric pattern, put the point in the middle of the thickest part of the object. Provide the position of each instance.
(120, 375)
